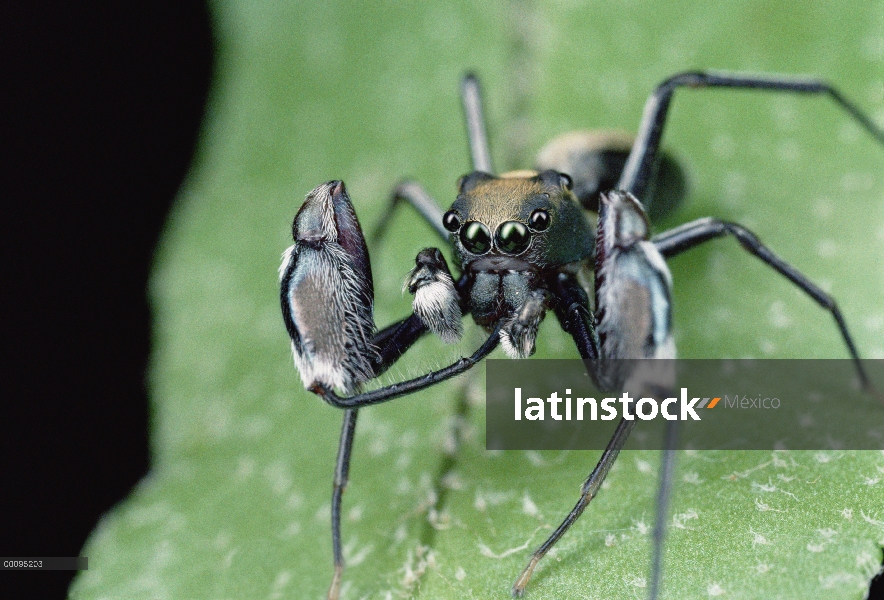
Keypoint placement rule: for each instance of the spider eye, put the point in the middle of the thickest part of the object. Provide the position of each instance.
(475, 237)
(451, 221)
(539, 220)
(512, 237)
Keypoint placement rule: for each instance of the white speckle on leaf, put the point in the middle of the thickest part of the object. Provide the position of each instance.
(610, 539)
(222, 540)
(643, 466)
(295, 501)
(323, 513)
(416, 564)
(869, 519)
(857, 182)
(777, 315)
(245, 467)
(403, 460)
(460, 574)
(258, 427)
(758, 539)
(692, 477)
(484, 499)
(789, 151)
(452, 480)
(827, 248)
(636, 581)
(439, 520)
(867, 563)
(277, 475)
(816, 547)
(847, 513)
(642, 527)
(528, 506)
(292, 529)
(734, 189)
(723, 146)
(378, 446)
(823, 457)
(400, 534)
(762, 507)
(488, 552)
(767, 347)
(282, 580)
(354, 557)
(823, 208)
(827, 582)
(763, 487)
(715, 589)
(227, 561)
(762, 568)
(678, 520)
(535, 458)
(355, 513)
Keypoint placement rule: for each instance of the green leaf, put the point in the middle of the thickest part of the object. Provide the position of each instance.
(237, 501)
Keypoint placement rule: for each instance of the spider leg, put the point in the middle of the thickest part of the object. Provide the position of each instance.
(392, 343)
(477, 135)
(414, 194)
(480, 153)
(664, 488)
(394, 340)
(680, 239)
(639, 166)
(632, 320)
(342, 470)
(587, 492)
(410, 386)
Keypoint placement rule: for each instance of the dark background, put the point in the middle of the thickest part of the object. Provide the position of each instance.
(103, 103)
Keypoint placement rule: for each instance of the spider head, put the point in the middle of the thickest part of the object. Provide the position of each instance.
(519, 221)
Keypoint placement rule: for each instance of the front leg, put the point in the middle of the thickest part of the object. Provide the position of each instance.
(326, 292)
(327, 299)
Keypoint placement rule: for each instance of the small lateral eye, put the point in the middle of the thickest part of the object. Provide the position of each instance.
(451, 221)
(475, 237)
(512, 237)
(539, 220)
(567, 182)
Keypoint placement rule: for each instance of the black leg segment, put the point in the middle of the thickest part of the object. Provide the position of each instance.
(413, 193)
(477, 135)
(342, 471)
(683, 238)
(587, 493)
(412, 385)
(639, 166)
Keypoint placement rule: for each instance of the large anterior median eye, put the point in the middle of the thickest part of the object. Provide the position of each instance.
(512, 237)
(475, 237)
